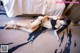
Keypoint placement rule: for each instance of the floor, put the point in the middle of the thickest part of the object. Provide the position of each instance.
(45, 40)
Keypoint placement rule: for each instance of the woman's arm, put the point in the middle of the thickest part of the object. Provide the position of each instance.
(46, 17)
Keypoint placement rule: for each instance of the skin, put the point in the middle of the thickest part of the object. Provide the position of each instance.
(35, 25)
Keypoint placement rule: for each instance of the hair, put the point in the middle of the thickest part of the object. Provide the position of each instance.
(65, 20)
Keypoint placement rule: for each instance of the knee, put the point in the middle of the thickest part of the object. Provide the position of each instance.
(40, 18)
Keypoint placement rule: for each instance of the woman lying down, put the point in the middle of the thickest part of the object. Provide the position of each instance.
(50, 22)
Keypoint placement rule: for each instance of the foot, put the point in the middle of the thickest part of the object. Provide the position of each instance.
(10, 25)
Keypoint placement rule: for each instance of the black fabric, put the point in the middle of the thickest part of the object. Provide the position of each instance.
(1, 27)
(53, 23)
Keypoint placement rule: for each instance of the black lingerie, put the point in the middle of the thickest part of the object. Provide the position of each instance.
(53, 23)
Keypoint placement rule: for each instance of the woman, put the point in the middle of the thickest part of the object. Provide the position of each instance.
(50, 22)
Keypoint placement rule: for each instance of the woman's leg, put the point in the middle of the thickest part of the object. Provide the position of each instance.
(28, 30)
(27, 27)
(14, 24)
(33, 24)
